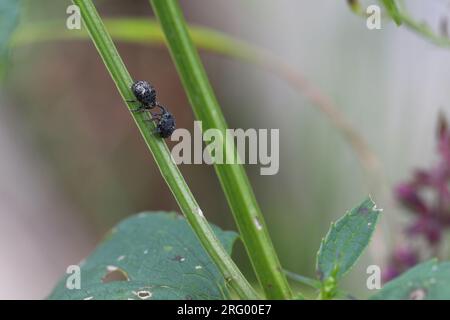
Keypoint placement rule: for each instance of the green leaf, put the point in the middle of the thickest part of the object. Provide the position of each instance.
(428, 281)
(345, 241)
(150, 256)
(9, 16)
(393, 11)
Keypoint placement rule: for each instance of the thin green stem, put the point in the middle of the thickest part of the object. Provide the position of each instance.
(313, 283)
(401, 16)
(147, 31)
(424, 30)
(162, 155)
(232, 177)
(392, 8)
(302, 279)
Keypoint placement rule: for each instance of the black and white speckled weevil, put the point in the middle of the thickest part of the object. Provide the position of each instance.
(165, 125)
(145, 93)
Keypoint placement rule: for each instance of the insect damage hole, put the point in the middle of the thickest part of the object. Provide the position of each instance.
(179, 258)
(113, 274)
(143, 294)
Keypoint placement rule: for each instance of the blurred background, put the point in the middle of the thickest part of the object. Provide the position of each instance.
(72, 163)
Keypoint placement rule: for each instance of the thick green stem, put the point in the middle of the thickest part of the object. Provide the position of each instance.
(232, 177)
(162, 155)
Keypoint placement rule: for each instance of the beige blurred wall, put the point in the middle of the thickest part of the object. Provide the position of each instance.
(40, 234)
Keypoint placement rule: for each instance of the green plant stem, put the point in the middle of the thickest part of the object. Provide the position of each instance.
(162, 155)
(233, 178)
(302, 279)
(424, 30)
(392, 9)
(314, 283)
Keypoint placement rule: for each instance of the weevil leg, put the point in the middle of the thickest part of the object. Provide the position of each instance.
(140, 109)
(163, 109)
(155, 117)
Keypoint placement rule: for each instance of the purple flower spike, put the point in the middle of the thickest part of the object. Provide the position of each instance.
(432, 214)
(406, 256)
(408, 195)
(429, 228)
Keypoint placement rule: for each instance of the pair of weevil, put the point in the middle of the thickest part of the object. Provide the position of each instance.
(145, 93)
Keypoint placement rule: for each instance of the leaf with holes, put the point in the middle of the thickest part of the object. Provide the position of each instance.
(9, 16)
(346, 240)
(149, 256)
(428, 281)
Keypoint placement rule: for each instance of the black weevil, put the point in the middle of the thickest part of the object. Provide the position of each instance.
(145, 93)
(165, 125)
